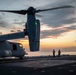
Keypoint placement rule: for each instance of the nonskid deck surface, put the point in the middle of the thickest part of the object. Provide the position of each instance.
(39, 66)
(38, 62)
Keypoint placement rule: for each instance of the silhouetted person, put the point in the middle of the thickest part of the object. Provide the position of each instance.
(53, 53)
(59, 53)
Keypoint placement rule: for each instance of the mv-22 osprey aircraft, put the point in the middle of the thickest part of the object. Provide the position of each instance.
(32, 31)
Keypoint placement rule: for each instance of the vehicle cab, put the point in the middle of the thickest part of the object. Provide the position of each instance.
(11, 49)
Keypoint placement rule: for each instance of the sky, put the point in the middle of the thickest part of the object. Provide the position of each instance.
(58, 27)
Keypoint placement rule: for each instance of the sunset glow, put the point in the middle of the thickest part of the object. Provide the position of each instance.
(58, 28)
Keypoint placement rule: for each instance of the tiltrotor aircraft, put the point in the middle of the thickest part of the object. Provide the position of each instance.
(32, 31)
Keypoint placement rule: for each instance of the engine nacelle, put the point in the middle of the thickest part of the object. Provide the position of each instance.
(34, 35)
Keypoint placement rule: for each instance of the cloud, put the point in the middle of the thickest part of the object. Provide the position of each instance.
(57, 18)
(54, 19)
(4, 23)
(56, 32)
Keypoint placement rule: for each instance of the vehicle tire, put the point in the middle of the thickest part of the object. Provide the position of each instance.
(21, 58)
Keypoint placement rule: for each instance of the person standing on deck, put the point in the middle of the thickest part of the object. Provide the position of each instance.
(53, 53)
(59, 53)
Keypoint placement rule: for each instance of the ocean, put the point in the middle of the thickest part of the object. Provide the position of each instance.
(50, 53)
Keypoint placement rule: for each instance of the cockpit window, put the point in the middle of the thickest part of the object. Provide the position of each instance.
(14, 47)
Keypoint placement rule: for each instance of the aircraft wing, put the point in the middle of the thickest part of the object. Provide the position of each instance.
(12, 36)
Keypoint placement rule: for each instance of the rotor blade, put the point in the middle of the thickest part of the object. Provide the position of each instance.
(54, 8)
(23, 12)
(39, 15)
